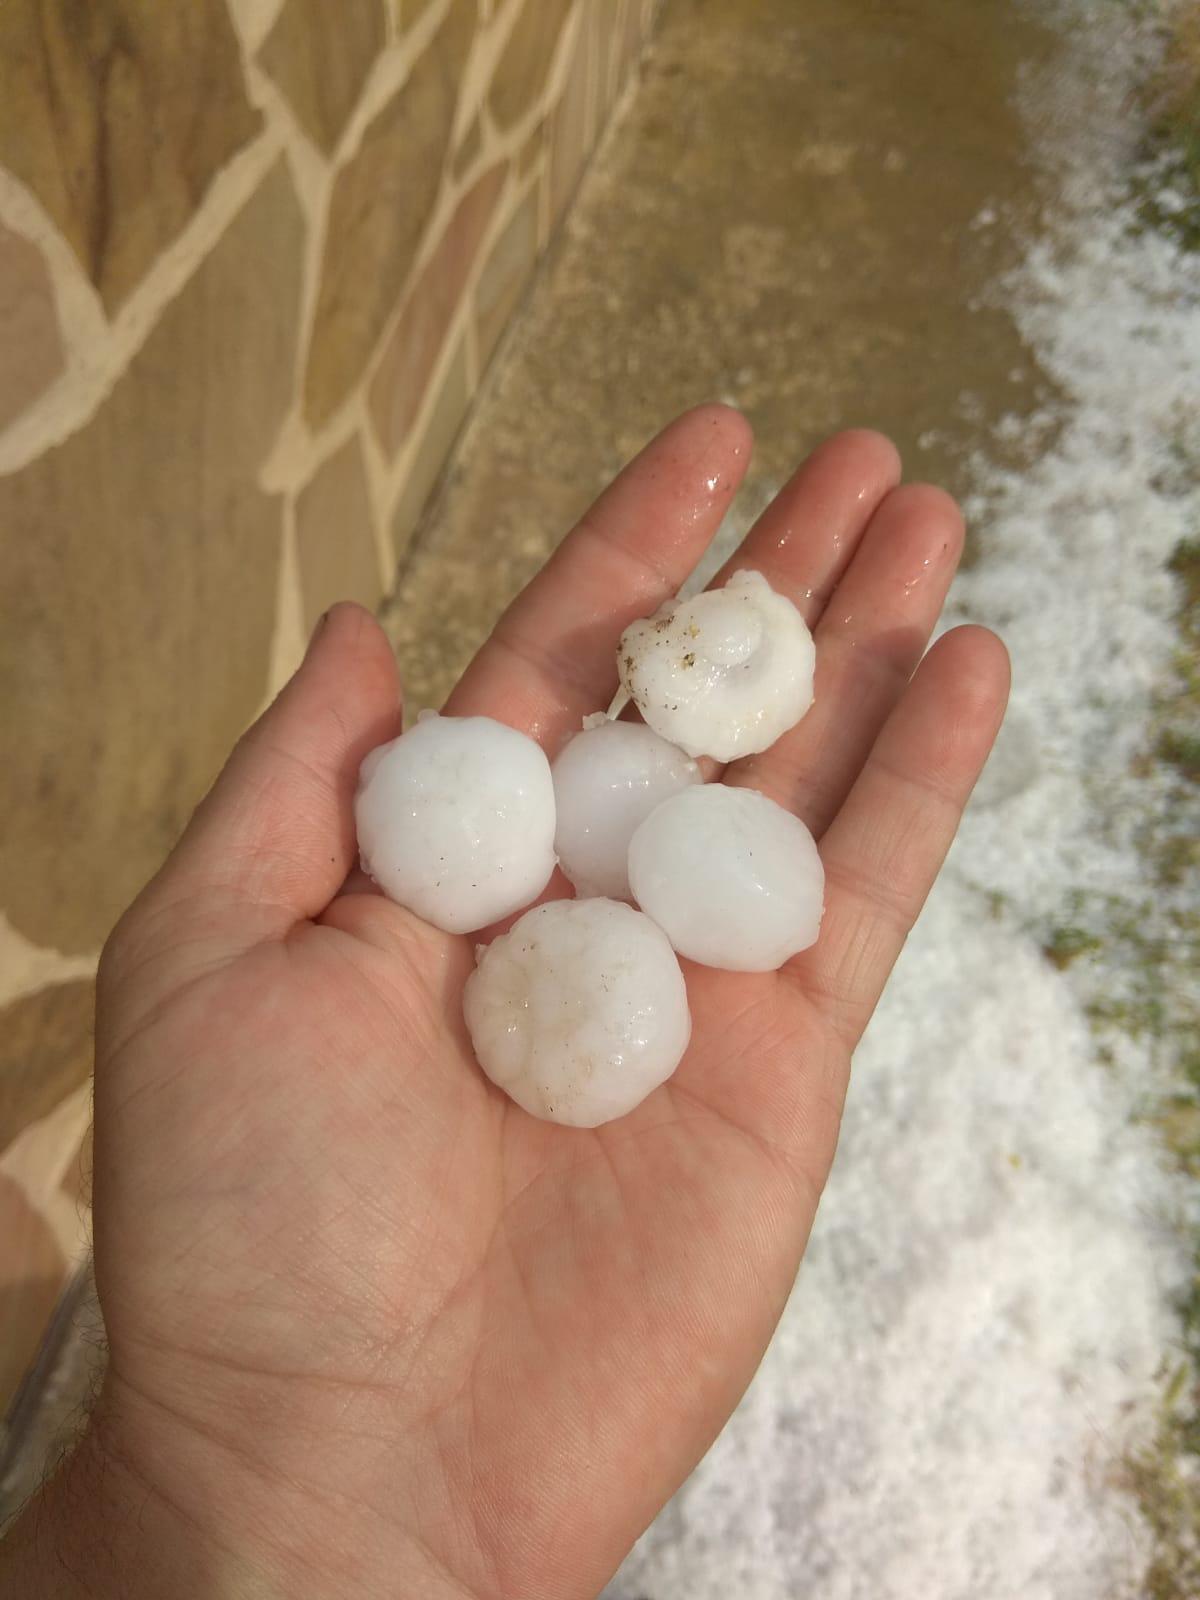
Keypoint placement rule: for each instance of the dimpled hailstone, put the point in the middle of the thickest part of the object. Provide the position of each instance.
(579, 1011)
(734, 880)
(607, 780)
(455, 820)
(723, 673)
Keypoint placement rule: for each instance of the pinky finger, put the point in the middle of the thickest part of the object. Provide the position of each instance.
(883, 850)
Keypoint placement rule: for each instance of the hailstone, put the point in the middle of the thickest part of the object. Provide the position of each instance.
(455, 820)
(723, 673)
(579, 1011)
(607, 779)
(734, 880)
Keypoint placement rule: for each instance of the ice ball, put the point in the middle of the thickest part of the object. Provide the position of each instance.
(734, 880)
(724, 673)
(579, 1011)
(607, 780)
(455, 820)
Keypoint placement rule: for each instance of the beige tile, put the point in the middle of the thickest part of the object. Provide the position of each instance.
(406, 12)
(118, 114)
(631, 38)
(335, 544)
(529, 152)
(525, 64)
(468, 150)
(46, 1047)
(145, 576)
(416, 343)
(569, 128)
(320, 56)
(382, 200)
(605, 15)
(505, 275)
(32, 1272)
(31, 352)
(445, 419)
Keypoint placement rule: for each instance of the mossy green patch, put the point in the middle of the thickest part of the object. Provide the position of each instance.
(1065, 945)
(1168, 191)
(1160, 1000)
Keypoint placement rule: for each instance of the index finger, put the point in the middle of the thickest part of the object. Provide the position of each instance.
(552, 657)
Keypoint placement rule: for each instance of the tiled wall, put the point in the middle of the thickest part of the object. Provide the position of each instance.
(255, 257)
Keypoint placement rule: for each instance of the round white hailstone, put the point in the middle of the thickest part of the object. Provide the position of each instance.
(734, 880)
(607, 780)
(455, 820)
(579, 1011)
(724, 673)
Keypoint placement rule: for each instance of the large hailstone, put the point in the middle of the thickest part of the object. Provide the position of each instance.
(733, 880)
(455, 820)
(607, 780)
(579, 1011)
(724, 673)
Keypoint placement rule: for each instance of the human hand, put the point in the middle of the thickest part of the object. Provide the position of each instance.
(373, 1330)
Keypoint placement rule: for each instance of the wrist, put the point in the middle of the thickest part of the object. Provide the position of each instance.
(99, 1527)
(144, 1507)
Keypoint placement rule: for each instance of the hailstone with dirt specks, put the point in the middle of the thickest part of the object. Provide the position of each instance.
(723, 673)
(733, 880)
(607, 780)
(455, 820)
(579, 1011)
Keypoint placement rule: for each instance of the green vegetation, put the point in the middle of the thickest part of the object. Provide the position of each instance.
(1165, 1477)
(1141, 980)
(1171, 104)
(1065, 944)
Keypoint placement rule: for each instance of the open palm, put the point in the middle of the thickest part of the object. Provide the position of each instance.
(373, 1329)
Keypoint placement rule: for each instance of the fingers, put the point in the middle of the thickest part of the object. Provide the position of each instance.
(274, 839)
(883, 850)
(807, 536)
(869, 640)
(552, 656)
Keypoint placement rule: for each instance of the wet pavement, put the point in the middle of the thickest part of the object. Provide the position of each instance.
(803, 211)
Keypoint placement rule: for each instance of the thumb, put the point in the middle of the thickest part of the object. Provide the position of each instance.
(274, 838)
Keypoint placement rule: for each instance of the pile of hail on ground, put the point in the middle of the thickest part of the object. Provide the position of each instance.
(963, 1393)
(580, 1009)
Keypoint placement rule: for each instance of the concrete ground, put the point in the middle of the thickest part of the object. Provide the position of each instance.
(801, 212)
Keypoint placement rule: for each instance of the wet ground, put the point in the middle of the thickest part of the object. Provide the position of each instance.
(803, 211)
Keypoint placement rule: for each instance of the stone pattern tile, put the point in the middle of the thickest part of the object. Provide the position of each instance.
(403, 373)
(31, 349)
(382, 201)
(505, 274)
(521, 74)
(320, 56)
(571, 126)
(312, 320)
(32, 1272)
(119, 126)
(335, 539)
(445, 418)
(118, 713)
(45, 1052)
